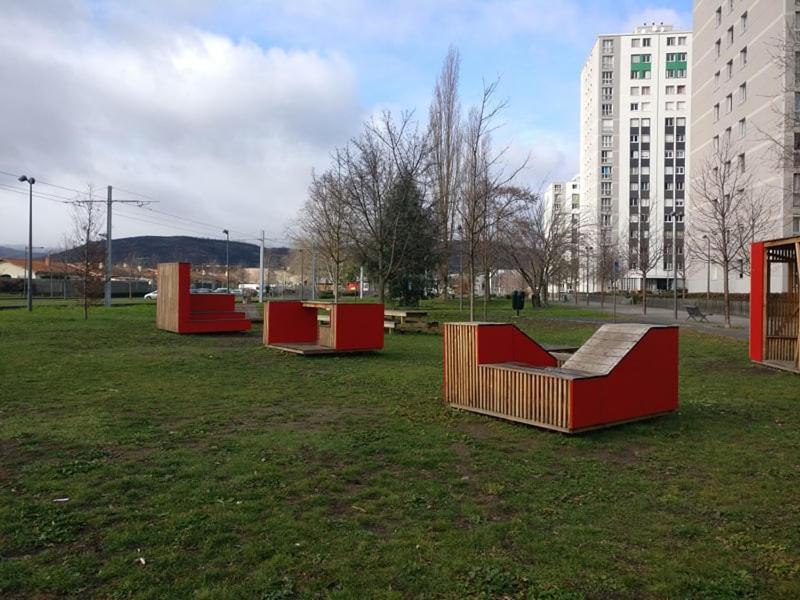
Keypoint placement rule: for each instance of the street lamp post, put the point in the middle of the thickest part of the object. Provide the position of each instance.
(227, 259)
(30, 181)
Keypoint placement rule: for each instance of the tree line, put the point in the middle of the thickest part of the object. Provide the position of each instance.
(398, 197)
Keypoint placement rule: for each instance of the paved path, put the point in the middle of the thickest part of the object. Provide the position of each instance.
(662, 316)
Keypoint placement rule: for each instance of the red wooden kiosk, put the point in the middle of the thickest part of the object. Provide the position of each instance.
(775, 303)
(297, 326)
(180, 311)
(624, 372)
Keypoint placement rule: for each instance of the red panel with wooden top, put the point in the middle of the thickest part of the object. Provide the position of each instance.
(180, 311)
(775, 303)
(309, 327)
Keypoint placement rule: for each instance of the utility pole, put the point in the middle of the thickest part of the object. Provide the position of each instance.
(361, 283)
(261, 270)
(29, 275)
(227, 260)
(302, 273)
(109, 202)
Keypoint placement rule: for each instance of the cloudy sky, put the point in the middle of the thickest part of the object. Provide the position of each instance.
(220, 110)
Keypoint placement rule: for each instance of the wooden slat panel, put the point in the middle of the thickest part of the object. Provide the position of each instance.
(534, 398)
(167, 316)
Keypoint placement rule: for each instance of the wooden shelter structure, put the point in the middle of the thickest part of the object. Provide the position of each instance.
(624, 372)
(296, 326)
(180, 311)
(775, 303)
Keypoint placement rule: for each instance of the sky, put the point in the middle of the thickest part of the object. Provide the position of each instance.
(217, 113)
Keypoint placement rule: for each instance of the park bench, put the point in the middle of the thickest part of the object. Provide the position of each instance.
(624, 372)
(696, 314)
(299, 327)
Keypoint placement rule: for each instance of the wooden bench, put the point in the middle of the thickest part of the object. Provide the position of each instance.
(624, 372)
(696, 314)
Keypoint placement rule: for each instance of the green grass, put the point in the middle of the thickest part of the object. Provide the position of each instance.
(235, 471)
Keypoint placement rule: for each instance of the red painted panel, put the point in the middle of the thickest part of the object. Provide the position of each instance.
(358, 326)
(645, 382)
(184, 303)
(289, 322)
(211, 302)
(506, 343)
(758, 283)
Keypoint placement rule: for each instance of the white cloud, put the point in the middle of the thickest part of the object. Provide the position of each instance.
(224, 132)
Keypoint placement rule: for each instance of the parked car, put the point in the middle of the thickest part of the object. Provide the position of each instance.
(151, 295)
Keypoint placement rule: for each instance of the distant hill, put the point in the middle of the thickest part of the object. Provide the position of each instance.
(8, 252)
(151, 250)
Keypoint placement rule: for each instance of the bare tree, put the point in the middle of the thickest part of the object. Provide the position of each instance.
(384, 165)
(726, 214)
(484, 176)
(445, 158)
(86, 220)
(323, 222)
(538, 240)
(645, 247)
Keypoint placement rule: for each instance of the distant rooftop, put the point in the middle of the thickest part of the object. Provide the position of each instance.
(653, 28)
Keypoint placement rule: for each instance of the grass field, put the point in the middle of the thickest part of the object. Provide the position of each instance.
(211, 467)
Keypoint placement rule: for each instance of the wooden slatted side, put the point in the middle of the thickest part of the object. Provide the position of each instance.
(606, 348)
(167, 316)
(505, 392)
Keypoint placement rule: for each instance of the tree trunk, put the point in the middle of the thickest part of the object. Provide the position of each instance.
(644, 292)
(471, 278)
(726, 293)
(486, 292)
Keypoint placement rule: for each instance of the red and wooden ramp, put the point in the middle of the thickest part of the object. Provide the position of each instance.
(624, 372)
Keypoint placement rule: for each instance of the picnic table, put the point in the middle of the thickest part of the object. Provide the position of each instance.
(407, 319)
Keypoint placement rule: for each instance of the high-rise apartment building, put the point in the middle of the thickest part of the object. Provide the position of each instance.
(635, 111)
(744, 99)
(564, 197)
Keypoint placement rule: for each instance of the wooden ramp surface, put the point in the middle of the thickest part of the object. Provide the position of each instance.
(309, 349)
(606, 348)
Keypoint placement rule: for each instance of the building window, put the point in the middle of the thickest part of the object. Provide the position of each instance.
(634, 106)
(635, 123)
(680, 170)
(743, 22)
(606, 141)
(645, 138)
(729, 69)
(743, 124)
(668, 154)
(741, 162)
(680, 90)
(729, 103)
(742, 93)
(680, 138)
(669, 106)
(608, 46)
(670, 89)
(718, 48)
(795, 224)
(605, 172)
(680, 105)
(608, 125)
(727, 137)
(681, 121)
(730, 36)
(715, 143)
(669, 122)
(718, 15)
(646, 42)
(676, 73)
(645, 154)
(645, 90)
(716, 80)
(743, 57)
(645, 106)
(681, 40)
(680, 153)
(607, 62)
(670, 41)
(605, 156)
(635, 43)
(605, 110)
(634, 90)
(607, 77)
(645, 122)
(605, 188)
(634, 187)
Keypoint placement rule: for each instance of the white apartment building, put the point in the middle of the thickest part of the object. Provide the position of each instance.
(634, 167)
(746, 98)
(565, 196)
